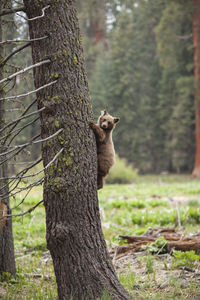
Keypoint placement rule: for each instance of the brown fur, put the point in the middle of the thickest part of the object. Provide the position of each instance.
(105, 148)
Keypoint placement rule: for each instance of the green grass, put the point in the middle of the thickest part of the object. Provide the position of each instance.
(125, 209)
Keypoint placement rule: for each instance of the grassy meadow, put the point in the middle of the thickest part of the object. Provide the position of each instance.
(126, 209)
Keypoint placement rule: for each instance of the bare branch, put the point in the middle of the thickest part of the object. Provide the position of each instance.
(23, 117)
(29, 93)
(23, 199)
(37, 173)
(13, 53)
(184, 37)
(24, 171)
(30, 143)
(30, 187)
(24, 213)
(24, 70)
(20, 129)
(15, 154)
(35, 18)
(23, 41)
(16, 123)
(11, 10)
(13, 186)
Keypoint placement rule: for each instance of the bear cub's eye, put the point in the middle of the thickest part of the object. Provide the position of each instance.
(109, 122)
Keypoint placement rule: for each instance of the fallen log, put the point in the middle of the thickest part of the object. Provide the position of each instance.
(175, 240)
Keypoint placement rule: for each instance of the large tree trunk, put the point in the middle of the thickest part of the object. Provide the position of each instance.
(7, 258)
(82, 264)
(196, 42)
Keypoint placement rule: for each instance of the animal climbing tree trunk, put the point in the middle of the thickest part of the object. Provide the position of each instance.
(7, 258)
(196, 43)
(74, 235)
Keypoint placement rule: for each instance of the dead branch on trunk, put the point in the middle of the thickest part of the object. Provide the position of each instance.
(24, 213)
(23, 40)
(12, 128)
(22, 118)
(13, 53)
(25, 70)
(28, 93)
(35, 18)
(9, 11)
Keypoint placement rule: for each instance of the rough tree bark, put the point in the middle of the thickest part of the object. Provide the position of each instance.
(7, 258)
(196, 43)
(74, 235)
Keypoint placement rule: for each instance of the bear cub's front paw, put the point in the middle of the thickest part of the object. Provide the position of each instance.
(91, 123)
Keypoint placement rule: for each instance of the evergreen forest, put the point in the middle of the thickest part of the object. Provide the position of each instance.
(138, 237)
(140, 64)
(139, 57)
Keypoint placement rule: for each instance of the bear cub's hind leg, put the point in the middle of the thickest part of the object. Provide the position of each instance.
(99, 182)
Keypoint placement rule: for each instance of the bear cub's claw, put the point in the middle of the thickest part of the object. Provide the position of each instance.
(91, 123)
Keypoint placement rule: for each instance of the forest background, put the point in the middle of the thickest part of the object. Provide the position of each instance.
(139, 59)
(140, 64)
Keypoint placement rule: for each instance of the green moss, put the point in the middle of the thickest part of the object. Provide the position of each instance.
(75, 60)
(56, 98)
(51, 169)
(65, 53)
(68, 161)
(50, 120)
(55, 76)
(57, 124)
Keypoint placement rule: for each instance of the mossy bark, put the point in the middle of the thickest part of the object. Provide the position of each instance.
(74, 235)
(7, 257)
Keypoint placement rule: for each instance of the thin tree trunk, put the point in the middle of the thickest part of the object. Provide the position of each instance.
(196, 42)
(74, 235)
(7, 258)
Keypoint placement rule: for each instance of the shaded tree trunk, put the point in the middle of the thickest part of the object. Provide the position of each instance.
(74, 235)
(7, 258)
(196, 43)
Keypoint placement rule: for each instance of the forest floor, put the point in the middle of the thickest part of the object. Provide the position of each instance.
(154, 271)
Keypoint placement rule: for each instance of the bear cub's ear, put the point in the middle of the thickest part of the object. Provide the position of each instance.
(116, 120)
(105, 112)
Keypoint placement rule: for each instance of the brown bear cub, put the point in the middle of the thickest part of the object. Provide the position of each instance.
(105, 148)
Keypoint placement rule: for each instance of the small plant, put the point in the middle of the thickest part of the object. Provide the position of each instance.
(157, 247)
(149, 264)
(184, 259)
(128, 280)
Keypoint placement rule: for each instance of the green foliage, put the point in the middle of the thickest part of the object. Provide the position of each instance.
(172, 23)
(146, 78)
(157, 247)
(149, 264)
(127, 280)
(184, 259)
(138, 198)
(121, 172)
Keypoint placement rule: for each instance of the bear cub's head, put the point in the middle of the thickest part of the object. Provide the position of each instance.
(107, 122)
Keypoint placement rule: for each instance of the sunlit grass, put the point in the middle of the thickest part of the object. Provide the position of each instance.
(125, 210)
